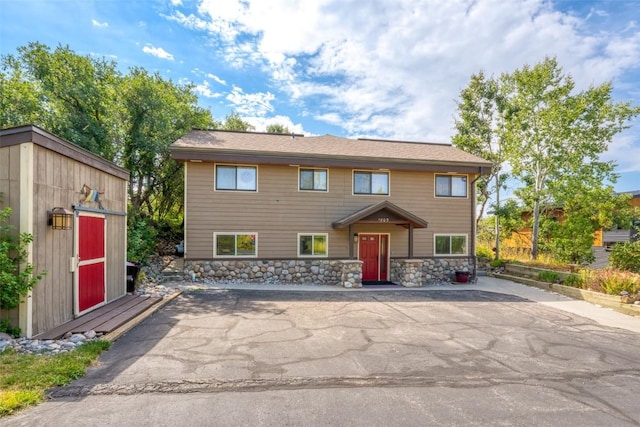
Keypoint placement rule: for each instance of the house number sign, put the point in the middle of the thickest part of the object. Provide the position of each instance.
(381, 219)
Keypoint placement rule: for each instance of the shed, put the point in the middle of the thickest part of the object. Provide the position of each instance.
(85, 263)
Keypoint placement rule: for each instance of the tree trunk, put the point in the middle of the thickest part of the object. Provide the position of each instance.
(497, 249)
(535, 231)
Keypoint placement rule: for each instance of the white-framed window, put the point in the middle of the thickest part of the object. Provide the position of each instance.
(310, 179)
(370, 182)
(313, 244)
(450, 244)
(236, 178)
(243, 245)
(451, 186)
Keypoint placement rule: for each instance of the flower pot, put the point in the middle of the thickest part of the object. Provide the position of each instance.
(462, 276)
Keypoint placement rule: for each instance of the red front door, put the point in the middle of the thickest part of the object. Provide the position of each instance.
(91, 262)
(373, 252)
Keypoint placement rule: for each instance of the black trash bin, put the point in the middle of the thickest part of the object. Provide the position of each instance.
(132, 276)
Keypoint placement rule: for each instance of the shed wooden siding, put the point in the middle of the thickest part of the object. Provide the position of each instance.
(10, 196)
(58, 180)
(278, 211)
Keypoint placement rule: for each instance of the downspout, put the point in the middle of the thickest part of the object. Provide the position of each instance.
(473, 224)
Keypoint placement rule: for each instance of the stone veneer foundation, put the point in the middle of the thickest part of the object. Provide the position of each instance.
(346, 273)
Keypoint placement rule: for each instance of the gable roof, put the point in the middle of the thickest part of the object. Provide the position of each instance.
(394, 214)
(326, 150)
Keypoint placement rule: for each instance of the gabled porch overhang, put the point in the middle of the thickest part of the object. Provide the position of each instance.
(381, 213)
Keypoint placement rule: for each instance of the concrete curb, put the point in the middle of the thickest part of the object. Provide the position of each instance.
(117, 333)
(609, 301)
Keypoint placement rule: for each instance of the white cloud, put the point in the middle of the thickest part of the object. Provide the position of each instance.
(158, 52)
(217, 79)
(98, 24)
(260, 123)
(176, 2)
(205, 90)
(395, 68)
(251, 104)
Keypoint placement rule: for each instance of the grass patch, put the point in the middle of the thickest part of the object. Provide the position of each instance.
(549, 276)
(24, 378)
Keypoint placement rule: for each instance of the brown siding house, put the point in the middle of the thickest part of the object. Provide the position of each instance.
(294, 209)
(84, 264)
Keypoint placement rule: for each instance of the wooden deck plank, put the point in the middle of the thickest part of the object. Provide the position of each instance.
(124, 317)
(60, 330)
(91, 324)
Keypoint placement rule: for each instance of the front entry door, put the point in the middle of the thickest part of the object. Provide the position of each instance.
(90, 282)
(373, 252)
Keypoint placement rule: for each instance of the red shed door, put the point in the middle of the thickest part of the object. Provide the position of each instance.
(91, 289)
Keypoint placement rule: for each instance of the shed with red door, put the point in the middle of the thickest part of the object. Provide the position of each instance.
(74, 205)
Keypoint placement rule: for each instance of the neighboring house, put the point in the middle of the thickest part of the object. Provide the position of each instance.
(294, 209)
(611, 237)
(521, 239)
(85, 258)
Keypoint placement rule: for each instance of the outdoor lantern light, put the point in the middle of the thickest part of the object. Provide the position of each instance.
(60, 219)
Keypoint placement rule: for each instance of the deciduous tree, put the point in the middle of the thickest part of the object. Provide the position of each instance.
(555, 135)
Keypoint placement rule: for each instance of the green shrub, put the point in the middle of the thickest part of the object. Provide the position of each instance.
(626, 256)
(5, 326)
(574, 280)
(16, 274)
(497, 263)
(141, 240)
(612, 282)
(483, 251)
(549, 276)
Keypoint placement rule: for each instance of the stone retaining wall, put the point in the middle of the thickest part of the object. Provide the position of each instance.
(328, 272)
(347, 273)
(432, 270)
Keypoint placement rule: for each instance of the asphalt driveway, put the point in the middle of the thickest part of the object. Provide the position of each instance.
(454, 357)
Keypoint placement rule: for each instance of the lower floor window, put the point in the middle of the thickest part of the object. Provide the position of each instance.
(235, 244)
(312, 244)
(451, 244)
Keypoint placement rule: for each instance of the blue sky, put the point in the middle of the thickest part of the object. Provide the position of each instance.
(376, 68)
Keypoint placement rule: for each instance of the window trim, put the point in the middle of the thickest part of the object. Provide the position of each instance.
(450, 235)
(300, 169)
(435, 185)
(326, 237)
(235, 165)
(235, 234)
(370, 171)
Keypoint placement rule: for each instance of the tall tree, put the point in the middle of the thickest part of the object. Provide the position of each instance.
(479, 127)
(234, 122)
(77, 95)
(554, 136)
(277, 128)
(130, 119)
(155, 112)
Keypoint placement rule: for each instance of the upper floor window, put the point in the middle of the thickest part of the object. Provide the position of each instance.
(313, 179)
(371, 183)
(451, 186)
(239, 178)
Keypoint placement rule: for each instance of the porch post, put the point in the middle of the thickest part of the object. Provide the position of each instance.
(350, 241)
(410, 241)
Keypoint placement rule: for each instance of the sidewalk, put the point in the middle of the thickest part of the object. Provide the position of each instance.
(602, 315)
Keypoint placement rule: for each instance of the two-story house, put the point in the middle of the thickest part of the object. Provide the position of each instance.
(326, 210)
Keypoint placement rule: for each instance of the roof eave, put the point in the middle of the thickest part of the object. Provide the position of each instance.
(186, 154)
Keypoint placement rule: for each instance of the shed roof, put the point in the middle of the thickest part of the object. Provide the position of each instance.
(31, 133)
(214, 145)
